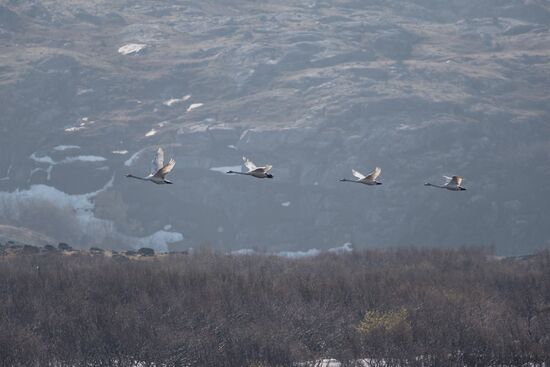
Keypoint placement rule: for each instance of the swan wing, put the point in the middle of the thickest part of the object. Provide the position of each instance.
(267, 168)
(248, 164)
(357, 174)
(166, 169)
(374, 174)
(158, 162)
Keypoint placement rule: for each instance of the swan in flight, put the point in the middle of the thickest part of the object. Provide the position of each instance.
(258, 172)
(369, 179)
(453, 184)
(159, 170)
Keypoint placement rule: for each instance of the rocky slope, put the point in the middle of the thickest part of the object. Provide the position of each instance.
(89, 89)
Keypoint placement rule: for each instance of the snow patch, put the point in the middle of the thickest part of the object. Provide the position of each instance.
(83, 158)
(286, 204)
(65, 147)
(130, 161)
(151, 132)
(194, 106)
(244, 251)
(131, 48)
(121, 152)
(89, 226)
(173, 101)
(299, 254)
(344, 249)
(159, 240)
(45, 159)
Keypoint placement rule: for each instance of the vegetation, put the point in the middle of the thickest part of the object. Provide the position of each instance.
(406, 306)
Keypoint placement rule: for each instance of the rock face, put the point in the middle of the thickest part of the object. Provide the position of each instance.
(421, 89)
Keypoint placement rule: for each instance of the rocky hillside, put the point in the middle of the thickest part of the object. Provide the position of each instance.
(89, 89)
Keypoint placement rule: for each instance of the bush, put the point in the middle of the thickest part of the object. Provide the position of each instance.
(146, 251)
(440, 307)
(64, 247)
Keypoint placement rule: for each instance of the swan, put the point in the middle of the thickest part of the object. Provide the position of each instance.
(258, 172)
(159, 170)
(453, 184)
(369, 179)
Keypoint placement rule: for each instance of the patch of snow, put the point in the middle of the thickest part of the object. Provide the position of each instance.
(65, 147)
(89, 226)
(134, 157)
(299, 254)
(131, 48)
(73, 129)
(224, 169)
(81, 126)
(194, 106)
(82, 91)
(121, 152)
(159, 240)
(151, 132)
(83, 158)
(244, 251)
(173, 101)
(286, 204)
(344, 249)
(231, 146)
(167, 227)
(45, 159)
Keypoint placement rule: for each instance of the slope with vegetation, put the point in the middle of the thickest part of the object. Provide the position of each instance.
(407, 306)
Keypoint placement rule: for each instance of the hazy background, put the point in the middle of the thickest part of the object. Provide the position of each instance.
(420, 88)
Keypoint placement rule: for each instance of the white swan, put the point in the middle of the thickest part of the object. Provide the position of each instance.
(369, 179)
(258, 172)
(159, 170)
(453, 184)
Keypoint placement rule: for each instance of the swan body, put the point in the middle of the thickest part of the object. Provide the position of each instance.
(159, 170)
(453, 184)
(369, 179)
(254, 171)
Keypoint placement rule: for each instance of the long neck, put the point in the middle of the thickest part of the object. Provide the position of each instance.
(136, 177)
(434, 185)
(239, 173)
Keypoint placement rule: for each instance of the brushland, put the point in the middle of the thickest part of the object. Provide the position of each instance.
(400, 306)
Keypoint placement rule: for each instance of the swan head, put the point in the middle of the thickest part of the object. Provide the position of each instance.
(461, 189)
(268, 175)
(379, 183)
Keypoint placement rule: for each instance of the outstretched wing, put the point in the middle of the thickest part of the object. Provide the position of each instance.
(267, 167)
(248, 164)
(357, 174)
(166, 169)
(158, 162)
(374, 174)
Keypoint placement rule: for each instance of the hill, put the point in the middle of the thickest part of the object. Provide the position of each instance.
(420, 88)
